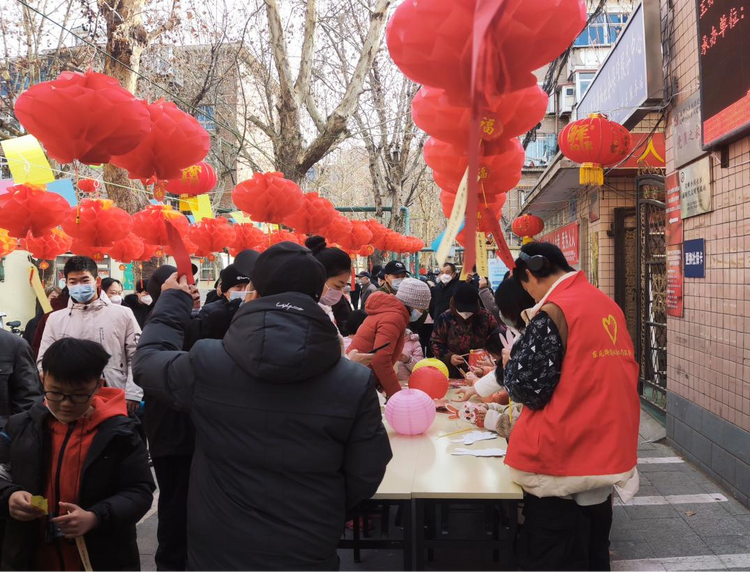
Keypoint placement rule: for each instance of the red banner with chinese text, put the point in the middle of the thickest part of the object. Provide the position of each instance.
(567, 239)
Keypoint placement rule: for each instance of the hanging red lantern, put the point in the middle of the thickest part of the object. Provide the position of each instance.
(527, 226)
(88, 117)
(128, 249)
(27, 208)
(378, 233)
(359, 236)
(494, 202)
(150, 224)
(8, 244)
(268, 197)
(282, 236)
(366, 251)
(211, 235)
(48, 245)
(247, 236)
(339, 230)
(190, 248)
(176, 141)
(313, 216)
(97, 223)
(149, 252)
(79, 247)
(88, 186)
(195, 180)
(594, 142)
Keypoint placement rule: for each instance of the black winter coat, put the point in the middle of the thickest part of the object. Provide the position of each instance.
(442, 295)
(212, 322)
(140, 311)
(289, 433)
(116, 484)
(19, 378)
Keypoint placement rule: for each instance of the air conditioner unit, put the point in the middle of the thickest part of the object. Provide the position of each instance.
(567, 99)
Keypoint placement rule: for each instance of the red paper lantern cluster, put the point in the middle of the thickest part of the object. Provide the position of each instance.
(359, 236)
(28, 208)
(88, 117)
(150, 224)
(339, 230)
(97, 223)
(247, 236)
(211, 236)
(595, 142)
(127, 250)
(268, 197)
(313, 217)
(195, 180)
(149, 252)
(48, 245)
(176, 141)
(83, 249)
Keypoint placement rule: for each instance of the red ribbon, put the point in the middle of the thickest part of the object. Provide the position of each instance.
(180, 254)
(503, 251)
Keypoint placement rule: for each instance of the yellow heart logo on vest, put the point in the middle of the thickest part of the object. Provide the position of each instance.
(610, 325)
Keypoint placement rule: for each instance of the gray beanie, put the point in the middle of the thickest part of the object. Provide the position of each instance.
(414, 294)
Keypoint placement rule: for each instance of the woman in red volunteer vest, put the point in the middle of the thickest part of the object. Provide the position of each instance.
(574, 370)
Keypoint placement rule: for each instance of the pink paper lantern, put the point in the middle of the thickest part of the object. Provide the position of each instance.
(410, 412)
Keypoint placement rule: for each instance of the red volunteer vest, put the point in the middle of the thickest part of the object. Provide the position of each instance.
(590, 426)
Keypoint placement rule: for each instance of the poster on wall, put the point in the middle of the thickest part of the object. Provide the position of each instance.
(674, 210)
(695, 259)
(674, 281)
(686, 131)
(497, 270)
(695, 188)
(567, 239)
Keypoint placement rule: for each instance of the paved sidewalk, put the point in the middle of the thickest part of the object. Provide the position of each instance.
(679, 521)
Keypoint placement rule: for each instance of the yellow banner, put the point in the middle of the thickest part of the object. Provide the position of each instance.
(36, 284)
(482, 266)
(454, 223)
(204, 210)
(27, 161)
(240, 217)
(189, 204)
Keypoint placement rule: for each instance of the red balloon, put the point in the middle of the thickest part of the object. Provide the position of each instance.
(268, 197)
(247, 236)
(28, 208)
(97, 223)
(211, 235)
(87, 117)
(313, 216)
(176, 141)
(429, 380)
(195, 180)
(47, 245)
(150, 224)
(127, 250)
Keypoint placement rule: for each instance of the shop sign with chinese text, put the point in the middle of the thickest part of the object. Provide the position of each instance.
(567, 239)
(695, 259)
(674, 280)
(695, 188)
(674, 210)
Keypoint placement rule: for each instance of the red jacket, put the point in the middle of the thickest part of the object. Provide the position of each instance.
(387, 319)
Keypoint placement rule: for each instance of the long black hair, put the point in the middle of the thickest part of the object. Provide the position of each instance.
(334, 260)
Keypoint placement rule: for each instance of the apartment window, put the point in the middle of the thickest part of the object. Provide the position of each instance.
(206, 118)
(208, 271)
(583, 81)
(603, 31)
(541, 152)
(551, 102)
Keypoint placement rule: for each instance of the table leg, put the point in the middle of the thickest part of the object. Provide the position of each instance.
(407, 516)
(419, 534)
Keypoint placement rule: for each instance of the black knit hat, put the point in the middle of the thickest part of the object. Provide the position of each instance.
(288, 267)
(232, 276)
(466, 298)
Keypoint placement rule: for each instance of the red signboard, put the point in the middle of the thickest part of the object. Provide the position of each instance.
(674, 210)
(674, 280)
(646, 151)
(567, 239)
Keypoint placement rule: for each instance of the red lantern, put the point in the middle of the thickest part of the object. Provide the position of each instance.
(339, 230)
(247, 236)
(150, 225)
(87, 117)
(429, 380)
(359, 237)
(211, 235)
(594, 142)
(281, 236)
(128, 249)
(378, 233)
(313, 216)
(190, 247)
(48, 245)
(506, 116)
(149, 252)
(97, 223)
(176, 141)
(78, 247)
(195, 180)
(27, 208)
(366, 251)
(494, 203)
(88, 186)
(527, 226)
(7, 243)
(268, 197)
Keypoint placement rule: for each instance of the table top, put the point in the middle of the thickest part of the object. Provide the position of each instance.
(423, 466)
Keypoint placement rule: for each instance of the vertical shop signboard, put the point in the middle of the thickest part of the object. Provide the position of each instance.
(674, 281)
(695, 259)
(674, 210)
(567, 239)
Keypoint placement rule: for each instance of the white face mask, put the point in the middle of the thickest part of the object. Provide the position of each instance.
(466, 315)
(445, 279)
(395, 283)
(115, 299)
(415, 315)
(147, 300)
(237, 294)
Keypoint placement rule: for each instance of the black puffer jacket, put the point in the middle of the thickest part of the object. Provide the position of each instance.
(289, 433)
(116, 483)
(212, 322)
(442, 295)
(19, 379)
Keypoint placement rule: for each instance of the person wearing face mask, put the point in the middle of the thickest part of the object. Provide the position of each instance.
(113, 289)
(447, 283)
(395, 273)
(367, 287)
(140, 302)
(386, 322)
(90, 315)
(463, 328)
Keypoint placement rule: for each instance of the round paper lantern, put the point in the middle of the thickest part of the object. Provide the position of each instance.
(79, 247)
(268, 197)
(150, 224)
(195, 180)
(247, 236)
(28, 208)
(48, 245)
(410, 412)
(339, 230)
(128, 249)
(594, 142)
(432, 362)
(149, 252)
(378, 233)
(527, 226)
(313, 216)
(176, 141)
(211, 235)
(431, 381)
(88, 186)
(8, 244)
(88, 117)
(282, 236)
(358, 238)
(97, 223)
(366, 251)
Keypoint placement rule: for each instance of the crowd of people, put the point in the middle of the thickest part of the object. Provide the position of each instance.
(262, 407)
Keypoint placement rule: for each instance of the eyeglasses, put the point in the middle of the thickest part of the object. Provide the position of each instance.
(75, 398)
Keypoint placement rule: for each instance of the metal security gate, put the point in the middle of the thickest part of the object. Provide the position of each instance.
(651, 340)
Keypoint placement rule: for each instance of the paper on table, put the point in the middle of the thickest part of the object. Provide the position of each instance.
(475, 436)
(488, 453)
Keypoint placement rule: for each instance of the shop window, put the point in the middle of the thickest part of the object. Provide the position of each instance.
(541, 152)
(206, 117)
(603, 31)
(208, 272)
